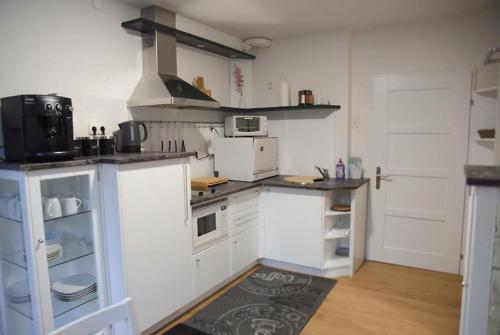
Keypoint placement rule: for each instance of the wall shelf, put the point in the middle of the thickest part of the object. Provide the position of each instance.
(490, 92)
(148, 27)
(330, 108)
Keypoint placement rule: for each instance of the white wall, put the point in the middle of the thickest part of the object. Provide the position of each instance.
(78, 51)
(319, 62)
(447, 43)
(70, 48)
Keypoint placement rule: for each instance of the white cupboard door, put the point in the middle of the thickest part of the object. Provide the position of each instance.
(156, 239)
(358, 226)
(419, 135)
(245, 249)
(293, 221)
(210, 268)
(479, 258)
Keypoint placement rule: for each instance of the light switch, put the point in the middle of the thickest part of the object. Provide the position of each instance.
(355, 121)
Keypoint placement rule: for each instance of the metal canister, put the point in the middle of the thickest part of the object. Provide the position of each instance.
(106, 145)
(89, 146)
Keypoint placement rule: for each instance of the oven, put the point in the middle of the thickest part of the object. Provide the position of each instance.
(209, 225)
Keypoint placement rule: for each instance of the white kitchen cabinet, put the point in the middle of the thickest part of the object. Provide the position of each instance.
(147, 215)
(49, 230)
(301, 232)
(293, 220)
(481, 282)
(245, 249)
(210, 268)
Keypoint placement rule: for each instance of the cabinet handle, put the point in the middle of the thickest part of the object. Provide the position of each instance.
(235, 242)
(464, 284)
(198, 261)
(41, 241)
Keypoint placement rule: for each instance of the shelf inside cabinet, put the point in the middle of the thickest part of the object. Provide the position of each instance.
(490, 92)
(334, 234)
(336, 213)
(61, 307)
(69, 216)
(337, 262)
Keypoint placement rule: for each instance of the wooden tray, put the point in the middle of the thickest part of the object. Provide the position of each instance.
(203, 183)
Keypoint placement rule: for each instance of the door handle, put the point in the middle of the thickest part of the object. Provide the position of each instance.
(380, 177)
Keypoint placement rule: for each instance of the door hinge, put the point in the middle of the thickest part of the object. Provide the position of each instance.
(461, 257)
(98, 175)
(471, 102)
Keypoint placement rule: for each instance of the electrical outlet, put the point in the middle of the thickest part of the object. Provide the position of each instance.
(90, 129)
(355, 121)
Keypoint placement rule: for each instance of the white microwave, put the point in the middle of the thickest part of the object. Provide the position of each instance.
(245, 125)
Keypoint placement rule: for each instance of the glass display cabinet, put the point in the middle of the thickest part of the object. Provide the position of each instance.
(52, 264)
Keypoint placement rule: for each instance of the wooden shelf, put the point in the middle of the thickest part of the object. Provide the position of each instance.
(149, 27)
(339, 262)
(490, 92)
(336, 213)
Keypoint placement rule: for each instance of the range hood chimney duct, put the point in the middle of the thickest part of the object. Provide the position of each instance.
(159, 85)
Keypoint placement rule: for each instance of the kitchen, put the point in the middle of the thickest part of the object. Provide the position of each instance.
(82, 50)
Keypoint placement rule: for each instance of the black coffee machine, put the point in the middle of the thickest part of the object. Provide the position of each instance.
(37, 128)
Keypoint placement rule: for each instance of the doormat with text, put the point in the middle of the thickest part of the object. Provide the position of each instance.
(267, 302)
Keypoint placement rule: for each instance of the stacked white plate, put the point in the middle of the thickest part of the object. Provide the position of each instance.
(19, 293)
(74, 287)
(54, 251)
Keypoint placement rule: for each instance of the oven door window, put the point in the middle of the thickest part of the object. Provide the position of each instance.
(247, 124)
(206, 224)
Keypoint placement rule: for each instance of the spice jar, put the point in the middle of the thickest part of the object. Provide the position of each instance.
(306, 98)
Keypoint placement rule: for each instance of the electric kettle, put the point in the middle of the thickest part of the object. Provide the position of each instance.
(128, 137)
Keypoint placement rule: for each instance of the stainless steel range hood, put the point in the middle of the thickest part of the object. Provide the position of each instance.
(159, 85)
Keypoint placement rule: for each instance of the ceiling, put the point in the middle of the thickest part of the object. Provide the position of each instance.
(278, 18)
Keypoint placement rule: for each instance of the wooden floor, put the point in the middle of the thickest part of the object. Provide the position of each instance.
(382, 299)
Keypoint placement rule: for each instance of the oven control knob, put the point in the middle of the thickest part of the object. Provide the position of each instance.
(58, 107)
(48, 106)
(69, 108)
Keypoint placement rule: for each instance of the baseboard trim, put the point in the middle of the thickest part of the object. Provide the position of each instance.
(328, 273)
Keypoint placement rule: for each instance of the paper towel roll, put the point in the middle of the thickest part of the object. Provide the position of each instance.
(285, 93)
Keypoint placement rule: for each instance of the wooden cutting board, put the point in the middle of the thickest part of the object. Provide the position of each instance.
(203, 183)
(302, 180)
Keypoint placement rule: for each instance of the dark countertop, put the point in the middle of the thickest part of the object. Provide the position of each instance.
(118, 158)
(483, 175)
(231, 187)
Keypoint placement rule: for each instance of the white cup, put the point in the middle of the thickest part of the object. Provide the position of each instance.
(51, 208)
(70, 205)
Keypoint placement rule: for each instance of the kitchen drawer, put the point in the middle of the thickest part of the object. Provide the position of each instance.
(244, 201)
(244, 220)
(210, 267)
(245, 249)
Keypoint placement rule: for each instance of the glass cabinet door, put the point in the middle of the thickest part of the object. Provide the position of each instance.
(16, 299)
(494, 307)
(69, 209)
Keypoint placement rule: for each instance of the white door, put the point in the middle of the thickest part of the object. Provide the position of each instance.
(419, 136)
(156, 238)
